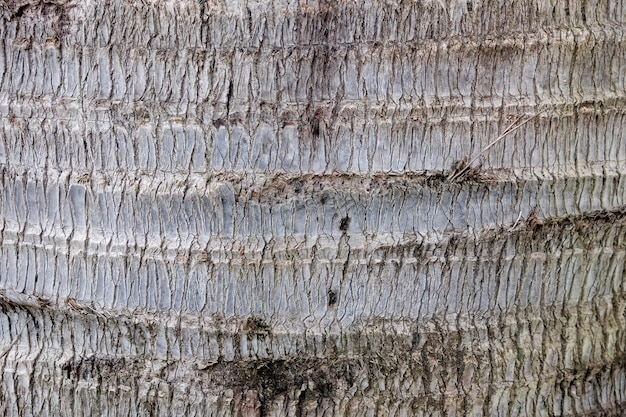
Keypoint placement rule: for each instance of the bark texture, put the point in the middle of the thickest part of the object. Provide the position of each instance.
(283, 208)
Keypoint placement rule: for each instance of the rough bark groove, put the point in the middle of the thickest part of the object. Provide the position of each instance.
(264, 208)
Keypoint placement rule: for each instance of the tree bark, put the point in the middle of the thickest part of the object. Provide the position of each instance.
(268, 208)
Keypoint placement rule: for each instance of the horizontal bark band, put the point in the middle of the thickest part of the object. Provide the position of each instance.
(544, 361)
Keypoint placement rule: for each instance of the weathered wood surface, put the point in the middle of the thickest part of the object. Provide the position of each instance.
(258, 209)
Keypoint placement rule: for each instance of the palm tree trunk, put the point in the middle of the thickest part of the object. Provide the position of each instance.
(273, 208)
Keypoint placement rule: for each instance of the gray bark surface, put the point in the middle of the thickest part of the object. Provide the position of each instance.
(276, 208)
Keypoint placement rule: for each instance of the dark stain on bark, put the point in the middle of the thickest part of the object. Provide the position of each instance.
(229, 97)
(297, 186)
(55, 14)
(99, 367)
(202, 4)
(257, 325)
(332, 297)
(317, 122)
(221, 122)
(344, 224)
(302, 379)
(594, 219)
(20, 10)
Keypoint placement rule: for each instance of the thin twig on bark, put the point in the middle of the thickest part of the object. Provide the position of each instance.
(465, 165)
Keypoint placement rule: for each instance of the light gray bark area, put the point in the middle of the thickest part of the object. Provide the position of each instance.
(259, 208)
